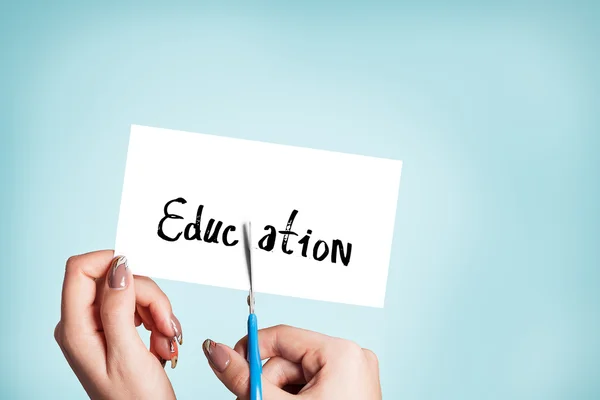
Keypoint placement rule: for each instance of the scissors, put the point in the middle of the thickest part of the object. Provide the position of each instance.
(253, 355)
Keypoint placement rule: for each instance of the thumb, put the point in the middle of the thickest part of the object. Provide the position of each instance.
(232, 369)
(118, 310)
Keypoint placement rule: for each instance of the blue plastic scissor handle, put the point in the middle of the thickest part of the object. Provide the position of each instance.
(254, 359)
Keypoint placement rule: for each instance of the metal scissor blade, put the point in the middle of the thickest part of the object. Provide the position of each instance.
(248, 248)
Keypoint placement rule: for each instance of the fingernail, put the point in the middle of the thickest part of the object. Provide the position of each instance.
(216, 354)
(174, 353)
(118, 276)
(177, 329)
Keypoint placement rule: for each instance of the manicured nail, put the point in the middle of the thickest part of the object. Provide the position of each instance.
(174, 353)
(118, 276)
(217, 355)
(177, 329)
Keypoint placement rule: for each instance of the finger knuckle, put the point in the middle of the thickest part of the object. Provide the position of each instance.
(72, 264)
(58, 334)
(318, 355)
(279, 330)
(350, 348)
(371, 356)
(281, 327)
(71, 342)
(161, 310)
(162, 300)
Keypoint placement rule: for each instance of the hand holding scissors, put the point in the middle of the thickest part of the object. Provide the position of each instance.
(308, 364)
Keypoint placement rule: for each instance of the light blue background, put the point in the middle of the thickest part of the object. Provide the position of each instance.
(493, 283)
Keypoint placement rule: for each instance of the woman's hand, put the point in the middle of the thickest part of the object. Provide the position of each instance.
(321, 367)
(102, 303)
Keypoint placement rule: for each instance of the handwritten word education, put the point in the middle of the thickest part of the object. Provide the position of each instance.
(216, 230)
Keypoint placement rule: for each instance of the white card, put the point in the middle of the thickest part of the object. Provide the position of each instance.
(342, 209)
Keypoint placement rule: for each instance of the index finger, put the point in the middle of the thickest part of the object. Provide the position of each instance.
(286, 341)
(79, 286)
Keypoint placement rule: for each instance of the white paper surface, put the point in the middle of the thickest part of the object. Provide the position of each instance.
(337, 196)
